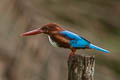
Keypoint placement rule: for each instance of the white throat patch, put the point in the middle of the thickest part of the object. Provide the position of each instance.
(52, 42)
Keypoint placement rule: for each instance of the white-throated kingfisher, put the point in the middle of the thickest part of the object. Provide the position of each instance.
(60, 37)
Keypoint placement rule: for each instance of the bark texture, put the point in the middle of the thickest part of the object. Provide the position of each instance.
(81, 67)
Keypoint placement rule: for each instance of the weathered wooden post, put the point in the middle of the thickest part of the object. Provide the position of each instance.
(81, 67)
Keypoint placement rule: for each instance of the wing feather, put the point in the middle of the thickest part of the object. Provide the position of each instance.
(76, 40)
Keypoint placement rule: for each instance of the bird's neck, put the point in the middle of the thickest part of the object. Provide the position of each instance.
(52, 42)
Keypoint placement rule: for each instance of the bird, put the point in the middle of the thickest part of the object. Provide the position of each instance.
(60, 37)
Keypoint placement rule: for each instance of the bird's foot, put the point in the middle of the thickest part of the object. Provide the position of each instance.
(72, 54)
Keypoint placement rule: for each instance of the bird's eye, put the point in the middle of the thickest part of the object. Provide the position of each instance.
(46, 28)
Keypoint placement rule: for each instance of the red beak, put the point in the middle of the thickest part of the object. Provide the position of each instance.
(33, 32)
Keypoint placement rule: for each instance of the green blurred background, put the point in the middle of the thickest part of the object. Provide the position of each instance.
(33, 58)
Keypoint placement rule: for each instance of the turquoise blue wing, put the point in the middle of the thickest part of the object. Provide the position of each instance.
(75, 40)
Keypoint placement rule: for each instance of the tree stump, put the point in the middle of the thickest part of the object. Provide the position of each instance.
(81, 67)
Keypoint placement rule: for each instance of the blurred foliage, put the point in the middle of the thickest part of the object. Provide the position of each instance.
(33, 58)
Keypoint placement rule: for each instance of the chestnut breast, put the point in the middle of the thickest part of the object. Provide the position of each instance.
(58, 40)
(52, 42)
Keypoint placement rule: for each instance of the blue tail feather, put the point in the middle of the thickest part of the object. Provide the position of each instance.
(98, 48)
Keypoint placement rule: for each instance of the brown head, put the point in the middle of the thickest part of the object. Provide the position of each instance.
(50, 28)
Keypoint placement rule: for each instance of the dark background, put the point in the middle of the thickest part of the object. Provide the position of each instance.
(33, 58)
